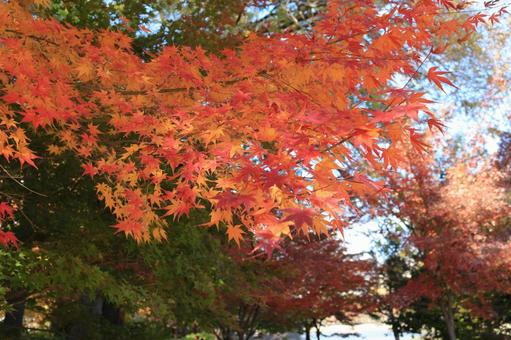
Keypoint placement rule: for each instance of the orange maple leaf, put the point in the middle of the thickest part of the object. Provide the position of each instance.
(235, 233)
(438, 78)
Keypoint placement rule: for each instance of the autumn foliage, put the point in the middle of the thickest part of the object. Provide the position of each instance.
(456, 234)
(299, 288)
(322, 281)
(459, 225)
(276, 135)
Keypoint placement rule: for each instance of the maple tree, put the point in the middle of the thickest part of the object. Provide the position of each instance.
(323, 281)
(458, 229)
(260, 134)
(52, 205)
(295, 290)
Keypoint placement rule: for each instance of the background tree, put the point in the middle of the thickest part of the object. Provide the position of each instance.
(322, 281)
(457, 237)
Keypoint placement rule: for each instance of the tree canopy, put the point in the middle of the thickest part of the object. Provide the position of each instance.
(278, 134)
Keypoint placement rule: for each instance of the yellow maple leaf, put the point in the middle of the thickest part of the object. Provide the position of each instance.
(105, 193)
(130, 150)
(159, 234)
(236, 149)
(276, 194)
(85, 71)
(319, 226)
(43, 3)
(281, 228)
(219, 215)
(235, 233)
(55, 149)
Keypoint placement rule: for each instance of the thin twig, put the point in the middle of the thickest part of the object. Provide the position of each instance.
(21, 184)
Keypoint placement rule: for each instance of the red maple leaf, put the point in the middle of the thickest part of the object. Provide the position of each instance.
(299, 217)
(8, 237)
(89, 169)
(438, 78)
(6, 210)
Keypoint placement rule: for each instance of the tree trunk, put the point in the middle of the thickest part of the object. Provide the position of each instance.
(93, 308)
(113, 313)
(395, 330)
(395, 325)
(13, 321)
(247, 321)
(447, 310)
(307, 332)
(223, 334)
(317, 325)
